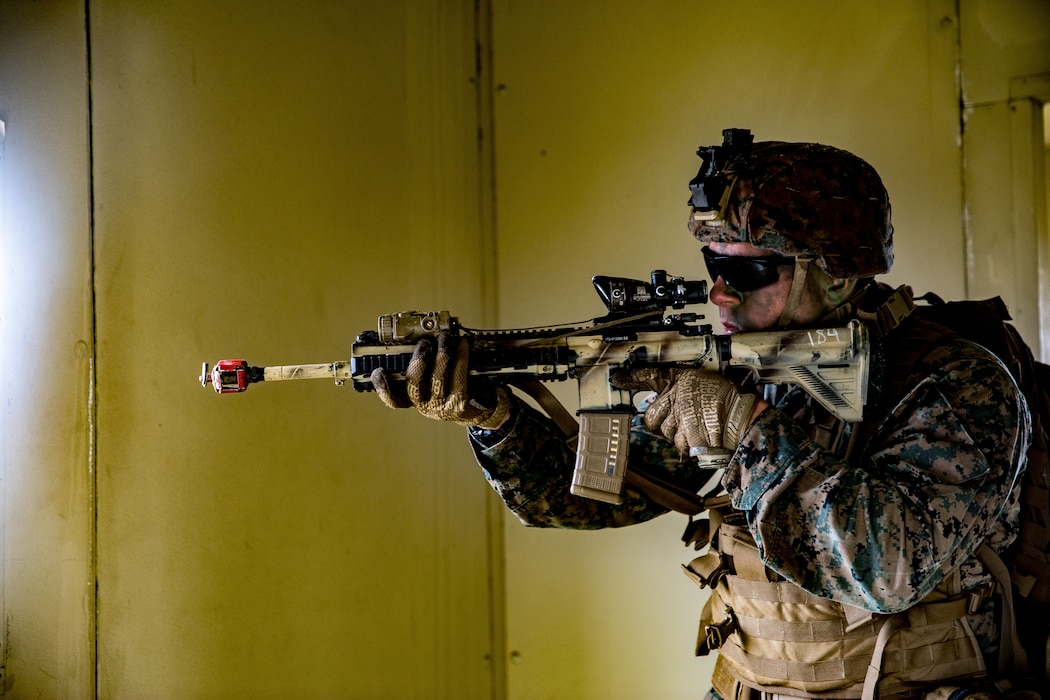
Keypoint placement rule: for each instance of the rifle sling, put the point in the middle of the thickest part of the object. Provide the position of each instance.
(664, 492)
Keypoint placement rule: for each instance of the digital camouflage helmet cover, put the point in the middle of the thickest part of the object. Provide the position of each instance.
(805, 200)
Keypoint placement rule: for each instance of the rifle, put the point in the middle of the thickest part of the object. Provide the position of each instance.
(831, 364)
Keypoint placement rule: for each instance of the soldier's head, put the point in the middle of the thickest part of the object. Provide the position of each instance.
(793, 228)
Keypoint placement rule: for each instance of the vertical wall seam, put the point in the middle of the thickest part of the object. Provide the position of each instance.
(489, 281)
(486, 145)
(92, 379)
(967, 231)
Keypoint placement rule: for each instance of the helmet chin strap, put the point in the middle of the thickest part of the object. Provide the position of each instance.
(798, 286)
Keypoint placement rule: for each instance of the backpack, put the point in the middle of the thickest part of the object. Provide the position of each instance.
(1028, 560)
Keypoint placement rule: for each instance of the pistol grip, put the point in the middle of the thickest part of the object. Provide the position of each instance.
(601, 456)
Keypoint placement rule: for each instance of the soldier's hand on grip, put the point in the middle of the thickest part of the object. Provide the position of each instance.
(694, 408)
(438, 385)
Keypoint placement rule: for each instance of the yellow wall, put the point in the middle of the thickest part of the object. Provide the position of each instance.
(269, 179)
(264, 180)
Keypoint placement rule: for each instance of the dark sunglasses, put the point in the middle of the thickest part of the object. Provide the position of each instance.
(745, 274)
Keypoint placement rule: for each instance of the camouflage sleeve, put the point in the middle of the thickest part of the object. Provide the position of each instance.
(940, 473)
(531, 469)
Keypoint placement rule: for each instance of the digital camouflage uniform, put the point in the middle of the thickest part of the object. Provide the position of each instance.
(938, 476)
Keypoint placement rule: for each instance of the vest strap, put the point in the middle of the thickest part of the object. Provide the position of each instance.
(706, 570)
(1011, 652)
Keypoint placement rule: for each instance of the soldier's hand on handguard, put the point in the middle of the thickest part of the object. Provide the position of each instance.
(694, 407)
(438, 385)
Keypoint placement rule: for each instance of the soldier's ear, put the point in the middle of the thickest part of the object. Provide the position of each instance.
(839, 289)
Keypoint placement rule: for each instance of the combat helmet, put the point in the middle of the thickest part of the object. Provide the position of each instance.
(804, 200)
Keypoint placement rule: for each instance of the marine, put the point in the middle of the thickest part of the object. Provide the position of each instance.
(845, 560)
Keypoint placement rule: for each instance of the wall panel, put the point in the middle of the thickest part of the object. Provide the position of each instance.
(270, 178)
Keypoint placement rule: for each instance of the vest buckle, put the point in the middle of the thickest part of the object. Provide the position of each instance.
(717, 634)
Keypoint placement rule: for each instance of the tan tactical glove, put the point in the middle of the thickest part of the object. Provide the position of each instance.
(695, 408)
(439, 386)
